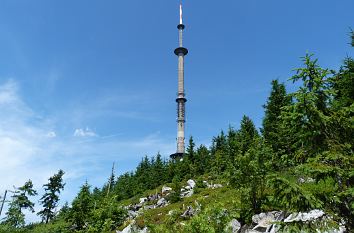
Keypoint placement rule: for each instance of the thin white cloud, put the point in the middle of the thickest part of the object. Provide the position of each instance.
(84, 133)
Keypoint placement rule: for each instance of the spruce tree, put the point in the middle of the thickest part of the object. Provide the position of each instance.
(271, 121)
(247, 134)
(191, 157)
(202, 160)
(343, 84)
(190, 149)
(219, 143)
(304, 123)
(109, 186)
(82, 206)
(219, 152)
(50, 198)
(20, 200)
(159, 175)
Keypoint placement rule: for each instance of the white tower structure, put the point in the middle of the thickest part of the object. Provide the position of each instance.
(181, 52)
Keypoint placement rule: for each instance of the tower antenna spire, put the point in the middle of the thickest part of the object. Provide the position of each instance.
(180, 13)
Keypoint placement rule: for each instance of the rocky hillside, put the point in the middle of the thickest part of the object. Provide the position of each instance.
(216, 203)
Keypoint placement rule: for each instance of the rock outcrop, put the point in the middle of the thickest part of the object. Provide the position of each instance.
(234, 226)
(166, 189)
(191, 183)
(188, 213)
(131, 228)
(269, 222)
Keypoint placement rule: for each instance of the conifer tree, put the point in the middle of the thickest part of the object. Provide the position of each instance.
(125, 186)
(107, 188)
(50, 198)
(175, 196)
(81, 208)
(343, 84)
(271, 121)
(219, 143)
(190, 149)
(304, 122)
(233, 139)
(20, 200)
(247, 134)
(219, 152)
(202, 160)
(143, 175)
(249, 176)
(159, 170)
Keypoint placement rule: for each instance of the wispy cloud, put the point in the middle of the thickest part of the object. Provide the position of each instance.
(84, 133)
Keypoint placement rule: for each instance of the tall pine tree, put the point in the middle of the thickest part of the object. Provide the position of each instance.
(271, 121)
(20, 200)
(50, 198)
(82, 207)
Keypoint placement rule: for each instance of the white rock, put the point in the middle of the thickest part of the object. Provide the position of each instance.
(191, 183)
(133, 229)
(128, 229)
(341, 229)
(142, 200)
(215, 186)
(132, 214)
(171, 212)
(166, 189)
(304, 217)
(188, 187)
(188, 193)
(188, 213)
(302, 180)
(149, 207)
(265, 220)
(233, 226)
(162, 202)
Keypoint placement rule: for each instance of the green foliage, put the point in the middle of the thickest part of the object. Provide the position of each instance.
(306, 119)
(250, 177)
(6, 228)
(107, 188)
(190, 150)
(289, 196)
(212, 219)
(107, 216)
(20, 200)
(175, 195)
(51, 227)
(51, 196)
(343, 84)
(81, 208)
(277, 100)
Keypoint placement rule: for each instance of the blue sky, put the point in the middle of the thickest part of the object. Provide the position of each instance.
(84, 84)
